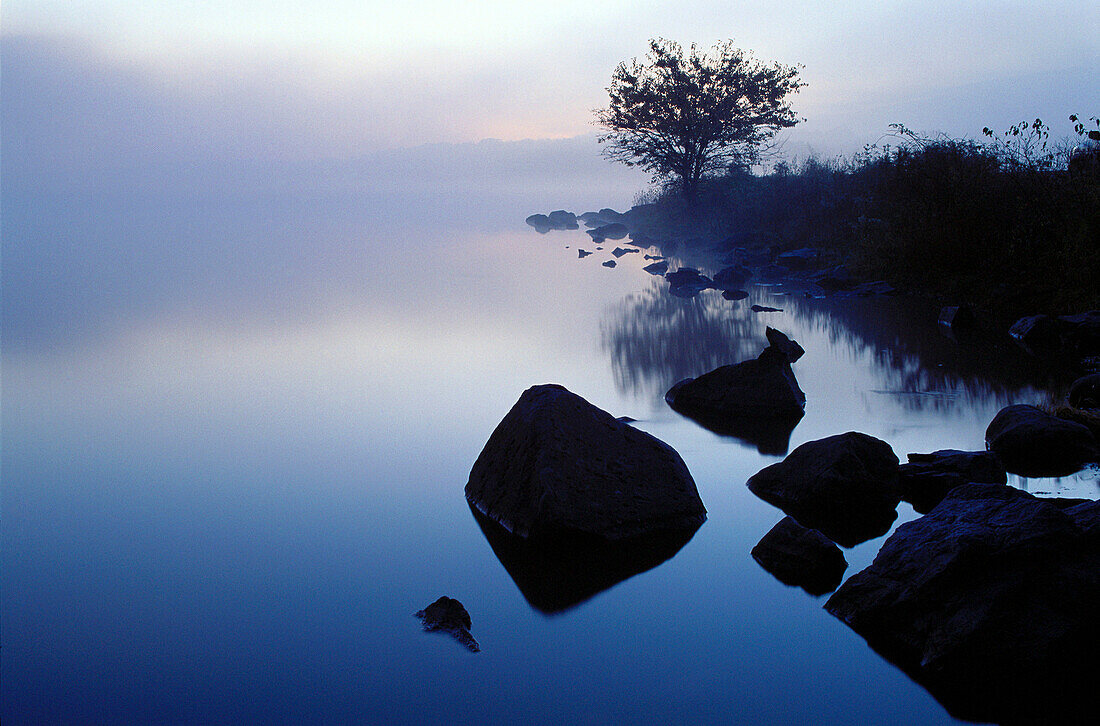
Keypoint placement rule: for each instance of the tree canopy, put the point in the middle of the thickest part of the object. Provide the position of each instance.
(685, 116)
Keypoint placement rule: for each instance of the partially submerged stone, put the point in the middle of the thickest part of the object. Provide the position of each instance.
(561, 219)
(657, 268)
(1031, 442)
(802, 557)
(609, 263)
(556, 463)
(785, 345)
(990, 602)
(844, 486)
(732, 277)
(608, 231)
(620, 251)
(581, 253)
(765, 309)
(927, 478)
(447, 615)
(734, 294)
(687, 282)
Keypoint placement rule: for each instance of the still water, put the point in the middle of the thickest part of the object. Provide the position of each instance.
(235, 446)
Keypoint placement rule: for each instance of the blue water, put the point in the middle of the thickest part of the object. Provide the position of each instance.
(236, 433)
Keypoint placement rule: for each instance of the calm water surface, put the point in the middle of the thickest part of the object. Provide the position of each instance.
(236, 441)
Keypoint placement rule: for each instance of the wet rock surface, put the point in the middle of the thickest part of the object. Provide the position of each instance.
(1031, 442)
(845, 486)
(556, 463)
(802, 557)
(927, 478)
(989, 601)
(447, 615)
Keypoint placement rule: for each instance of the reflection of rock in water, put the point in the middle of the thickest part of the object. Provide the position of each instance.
(656, 339)
(558, 572)
(770, 436)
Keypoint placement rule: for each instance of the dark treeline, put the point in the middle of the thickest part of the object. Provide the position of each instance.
(1007, 224)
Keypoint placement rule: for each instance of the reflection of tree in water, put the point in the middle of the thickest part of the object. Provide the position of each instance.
(656, 339)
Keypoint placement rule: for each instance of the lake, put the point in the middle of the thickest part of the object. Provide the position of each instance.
(238, 423)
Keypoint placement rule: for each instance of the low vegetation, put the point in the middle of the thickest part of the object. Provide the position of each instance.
(1010, 223)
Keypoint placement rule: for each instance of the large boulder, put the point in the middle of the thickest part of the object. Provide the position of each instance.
(927, 478)
(1077, 335)
(1031, 442)
(556, 463)
(799, 556)
(990, 602)
(844, 486)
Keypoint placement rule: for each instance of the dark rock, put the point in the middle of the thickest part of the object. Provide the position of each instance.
(1037, 333)
(610, 215)
(1080, 333)
(609, 263)
(731, 278)
(581, 254)
(734, 294)
(956, 317)
(845, 486)
(1031, 442)
(989, 601)
(654, 257)
(620, 251)
(590, 219)
(561, 219)
(626, 419)
(687, 282)
(836, 279)
(801, 259)
(540, 222)
(1085, 392)
(765, 309)
(799, 556)
(657, 268)
(448, 616)
(558, 463)
(607, 231)
(559, 570)
(783, 344)
(639, 239)
(927, 478)
(878, 287)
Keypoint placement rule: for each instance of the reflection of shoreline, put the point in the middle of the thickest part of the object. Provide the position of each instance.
(656, 339)
(556, 573)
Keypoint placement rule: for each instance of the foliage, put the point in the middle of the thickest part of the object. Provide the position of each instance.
(686, 116)
(998, 224)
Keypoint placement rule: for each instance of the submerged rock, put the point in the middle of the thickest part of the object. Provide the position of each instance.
(927, 478)
(989, 601)
(1031, 442)
(657, 268)
(802, 557)
(556, 463)
(845, 486)
(447, 615)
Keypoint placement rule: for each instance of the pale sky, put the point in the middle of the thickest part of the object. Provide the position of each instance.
(333, 78)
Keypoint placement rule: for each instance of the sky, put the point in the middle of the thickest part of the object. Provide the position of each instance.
(333, 79)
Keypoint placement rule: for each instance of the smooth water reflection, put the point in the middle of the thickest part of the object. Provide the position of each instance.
(223, 508)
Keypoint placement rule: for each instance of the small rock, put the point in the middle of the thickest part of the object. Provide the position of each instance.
(447, 615)
(765, 309)
(799, 556)
(657, 268)
(734, 294)
(581, 254)
(620, 251)
(609, 263)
